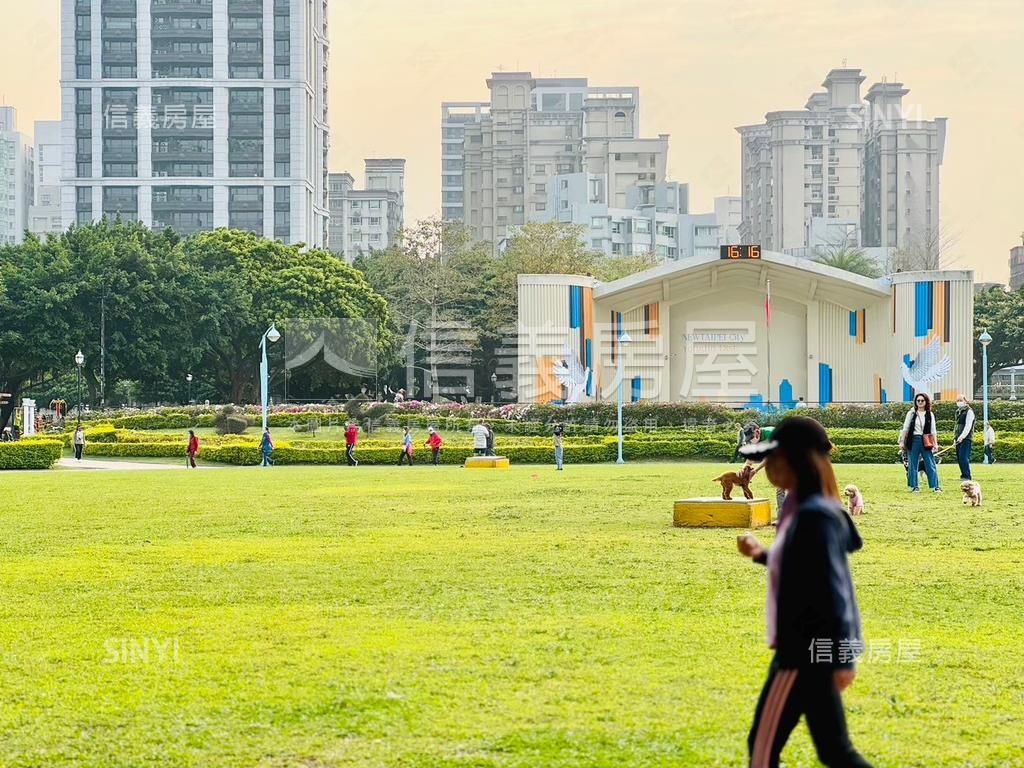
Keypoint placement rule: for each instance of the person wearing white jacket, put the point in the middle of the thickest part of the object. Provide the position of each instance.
(480, 435)
(920, 441)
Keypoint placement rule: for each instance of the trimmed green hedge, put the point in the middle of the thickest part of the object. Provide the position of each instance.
(30, 454)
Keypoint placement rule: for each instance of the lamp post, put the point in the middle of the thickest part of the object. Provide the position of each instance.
(624, 340)
(79, 362)
(494, 388)
(188, 378)
(271, 335)
(985, 340)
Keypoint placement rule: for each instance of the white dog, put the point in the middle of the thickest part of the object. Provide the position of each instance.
(972, 492)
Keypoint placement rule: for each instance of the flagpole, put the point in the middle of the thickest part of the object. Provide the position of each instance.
(768, 321)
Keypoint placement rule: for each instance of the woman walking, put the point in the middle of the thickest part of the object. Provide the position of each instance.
(990, 444)
(267, 448)
(193, 449)
(79, 441)
(812, 617)
(434, 443)
(406, 454)
(919, 441)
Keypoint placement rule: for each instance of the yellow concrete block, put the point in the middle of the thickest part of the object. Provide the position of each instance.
(719, 513)
(487, 462)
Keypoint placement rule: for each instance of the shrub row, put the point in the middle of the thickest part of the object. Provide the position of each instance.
(30, 454)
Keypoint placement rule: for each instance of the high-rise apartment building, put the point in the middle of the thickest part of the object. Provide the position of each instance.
(368, 219)
(455, 116)
(1017, 266)
(16, 178)
(534, 133)
(44, 215)
(842, 167)
(196, 114)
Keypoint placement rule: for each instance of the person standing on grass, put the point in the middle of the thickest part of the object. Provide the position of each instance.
(480, 438)
(434, 443)
(812, 617)
(351, 439)
(490, 440)
(965, 421)
(559, 435)
(406, 454)
(267, 448)
(990, 444)
(79, 441)
(920, 440)
(193, 449)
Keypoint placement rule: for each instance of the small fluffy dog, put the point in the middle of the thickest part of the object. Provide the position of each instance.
(855, 499)
(742, 479)
(972, 492)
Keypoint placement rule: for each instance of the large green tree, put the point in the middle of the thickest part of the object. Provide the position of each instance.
(434, 279)
(257, 282)
(1001, 313)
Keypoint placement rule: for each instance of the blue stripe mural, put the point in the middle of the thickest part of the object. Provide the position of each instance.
(924, 308)
(786, 400)
(908, 391)
(636, 389)
(824, 384)
(590, 366)
(576, 306)
(853, 324)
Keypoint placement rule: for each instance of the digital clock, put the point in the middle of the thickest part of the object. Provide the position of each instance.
(737, 252)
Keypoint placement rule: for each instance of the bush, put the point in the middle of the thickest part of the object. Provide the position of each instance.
(230, 421)
(137, 450)
(30, 454)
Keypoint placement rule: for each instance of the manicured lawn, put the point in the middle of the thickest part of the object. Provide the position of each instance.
(423, 617)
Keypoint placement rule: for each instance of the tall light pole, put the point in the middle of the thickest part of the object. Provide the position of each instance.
(985, 340)
(188, 378)
(271, 335)
(624, 340)
(494, 388)
(79, 362)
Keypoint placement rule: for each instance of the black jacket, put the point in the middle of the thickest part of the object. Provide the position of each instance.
(817, 605)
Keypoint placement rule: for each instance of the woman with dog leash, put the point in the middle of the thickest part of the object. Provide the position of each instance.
(811, 614)
(920, 440)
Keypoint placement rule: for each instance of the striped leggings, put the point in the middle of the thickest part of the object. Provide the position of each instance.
(790, 693)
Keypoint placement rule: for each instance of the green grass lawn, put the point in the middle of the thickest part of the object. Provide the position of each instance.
(427, 617)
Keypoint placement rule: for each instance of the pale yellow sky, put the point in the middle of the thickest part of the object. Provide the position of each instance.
(703, 67)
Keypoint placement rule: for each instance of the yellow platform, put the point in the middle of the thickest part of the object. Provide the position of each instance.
(487, 462)
(718, 513)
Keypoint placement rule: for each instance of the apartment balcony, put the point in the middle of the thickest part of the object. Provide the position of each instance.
(191, 7)
(245, 57)
(245, 7)
(120, 7)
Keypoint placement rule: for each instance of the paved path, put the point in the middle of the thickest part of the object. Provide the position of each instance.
(118, 465)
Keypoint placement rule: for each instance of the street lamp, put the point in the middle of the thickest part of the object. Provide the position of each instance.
(494, 388)
(271, 335)
(624, 340)
(79, 361)
(188, 378)
(985, 340)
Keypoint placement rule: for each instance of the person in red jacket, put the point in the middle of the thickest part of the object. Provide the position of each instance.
(351, 438)
(434, 443)
(193, 449)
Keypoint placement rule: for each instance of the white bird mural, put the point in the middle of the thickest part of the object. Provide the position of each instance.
(571, 374)
(928, 367)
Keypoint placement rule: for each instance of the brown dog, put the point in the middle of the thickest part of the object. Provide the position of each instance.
(742, 479)
(972, 492)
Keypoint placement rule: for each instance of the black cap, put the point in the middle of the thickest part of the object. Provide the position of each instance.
(795, 435)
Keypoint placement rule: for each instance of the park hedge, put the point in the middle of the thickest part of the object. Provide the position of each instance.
(30, 454)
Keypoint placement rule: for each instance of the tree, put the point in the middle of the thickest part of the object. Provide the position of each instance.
(850, 260)
(252, 282)
(928, 251)
(610, 268)
(1001, 313)
(435, 279)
